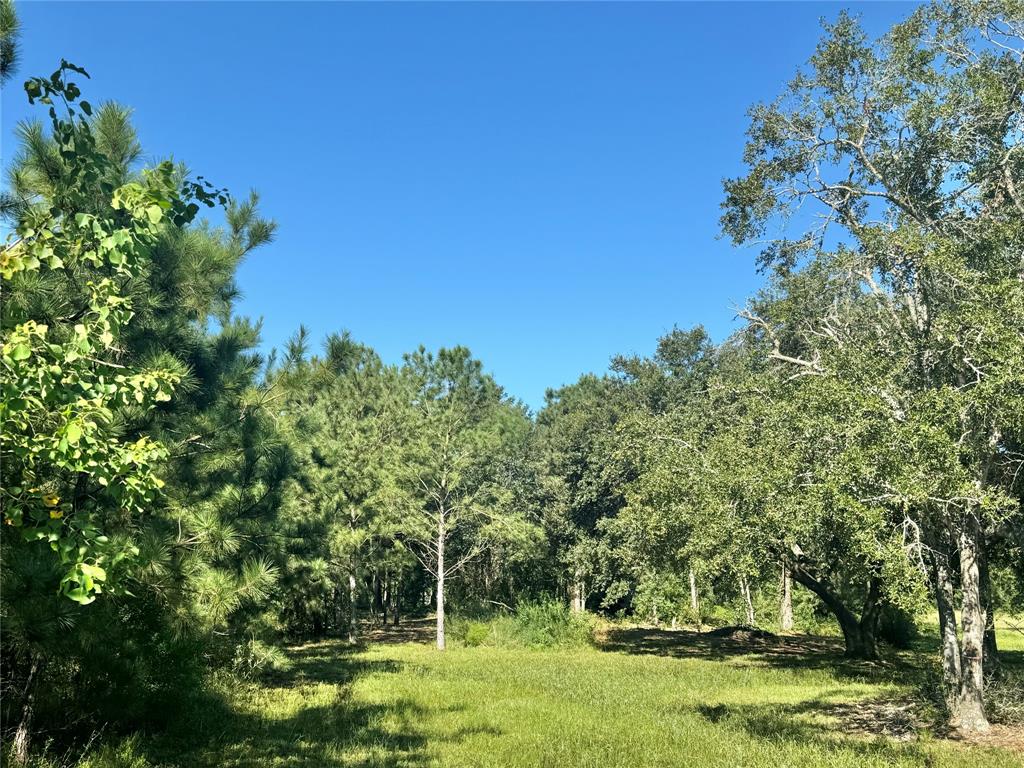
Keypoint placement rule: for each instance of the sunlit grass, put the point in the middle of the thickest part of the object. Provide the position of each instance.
(1010, 633)
(410, 705)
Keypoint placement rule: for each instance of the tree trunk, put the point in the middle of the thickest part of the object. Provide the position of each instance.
(971, 706)
(858, 635)
(990, 650)
(396, 600)
(488, 576)
(23, 735)
(353, 567)
(944, 597)
(353, 619)
(577, 603)
(694, 599)
(748, 603)
(440, 582)
(786, 607)
(378, 598)
(869, 616)
(335, 610)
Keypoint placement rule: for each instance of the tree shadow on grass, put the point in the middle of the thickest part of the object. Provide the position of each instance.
(329, 662)
(844, 727)
(798, 652)
(340, 732)
(415, 629)
(840, 718)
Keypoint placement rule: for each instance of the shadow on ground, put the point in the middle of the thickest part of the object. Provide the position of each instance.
(849, 728)
(897, 718)
(413, 630)
(328, 729)
(782, 651)
(900, 718)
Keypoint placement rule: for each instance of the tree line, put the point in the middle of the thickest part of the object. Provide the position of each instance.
(174, 501)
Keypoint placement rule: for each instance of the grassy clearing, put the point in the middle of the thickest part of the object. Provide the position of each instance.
(645, 698)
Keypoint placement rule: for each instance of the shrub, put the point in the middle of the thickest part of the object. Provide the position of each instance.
(476, 633)
(1004, 697)
(660, 598)
(547, 624)
(254, 658)
(543, 624)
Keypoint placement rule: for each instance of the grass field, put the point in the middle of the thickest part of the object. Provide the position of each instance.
(644, 698)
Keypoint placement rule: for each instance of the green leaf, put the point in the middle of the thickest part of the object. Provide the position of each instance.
(21, 352)
(74, 433)
(80, 595)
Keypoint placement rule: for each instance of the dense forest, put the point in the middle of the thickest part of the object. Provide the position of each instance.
(177, 504)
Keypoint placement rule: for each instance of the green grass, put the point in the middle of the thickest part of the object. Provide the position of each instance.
(1010, 633)
(645, 698)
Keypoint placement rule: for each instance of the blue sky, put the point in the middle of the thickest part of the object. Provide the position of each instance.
(539, 182)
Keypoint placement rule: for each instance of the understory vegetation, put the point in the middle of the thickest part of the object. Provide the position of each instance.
(533, 625)
(800, 545)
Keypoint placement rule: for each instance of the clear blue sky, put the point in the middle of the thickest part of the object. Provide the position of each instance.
(539, 182)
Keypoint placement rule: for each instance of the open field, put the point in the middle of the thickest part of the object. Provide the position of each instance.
(643, 697)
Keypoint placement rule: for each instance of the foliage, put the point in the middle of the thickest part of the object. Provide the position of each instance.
(897, 309)
(897, 628)
(254, 659)
(9, 30)
(68, 467)
(108, 289)
(126, 754)
(533, 624)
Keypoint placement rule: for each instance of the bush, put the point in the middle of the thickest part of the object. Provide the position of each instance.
(548, 624)
(476, 633)
(254, 658)
(662, 598)
(545, 624)
(1004, 697)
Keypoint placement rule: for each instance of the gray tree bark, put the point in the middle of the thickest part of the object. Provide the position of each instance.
(396, 601)
(694, 598)
(990, 649)
(353, 618)
(441, 534)
(971, 705)
(748, 602)
(377, 591)
(786, 607)
(23, 734)
(577, 601)
(944, 597)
